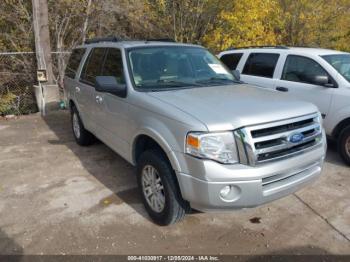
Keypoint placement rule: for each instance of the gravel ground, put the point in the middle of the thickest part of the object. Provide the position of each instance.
(59, 198)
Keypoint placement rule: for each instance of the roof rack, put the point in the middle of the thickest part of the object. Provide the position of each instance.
(160, 40)
(102, 39)
(116, 39)
(260, 46)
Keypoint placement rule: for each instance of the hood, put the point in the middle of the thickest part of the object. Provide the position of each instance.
(232, 106)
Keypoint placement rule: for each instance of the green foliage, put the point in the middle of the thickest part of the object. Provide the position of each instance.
(7, 103)
(216, 24)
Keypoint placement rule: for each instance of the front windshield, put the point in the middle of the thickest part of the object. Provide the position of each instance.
(341, 63)
(178, 67)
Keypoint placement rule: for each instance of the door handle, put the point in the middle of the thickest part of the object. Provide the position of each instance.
(99, 99)
(77, 89)
(282, 89)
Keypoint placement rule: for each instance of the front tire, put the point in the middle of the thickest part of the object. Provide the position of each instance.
(81, 135)
(159, 189)
(344, 145)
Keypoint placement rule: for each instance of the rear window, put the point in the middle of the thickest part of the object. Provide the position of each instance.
(231, 60)
(261, 64)
(74, 61)
(93, 65)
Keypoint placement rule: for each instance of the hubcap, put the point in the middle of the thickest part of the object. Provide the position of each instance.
(76, 126)
(153, 189)
(347, 146)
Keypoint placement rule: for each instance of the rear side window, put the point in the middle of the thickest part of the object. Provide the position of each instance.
(302, 69)
(113, 65)
(93, 65)
(261, 64)
(231, 60)
(74, 62)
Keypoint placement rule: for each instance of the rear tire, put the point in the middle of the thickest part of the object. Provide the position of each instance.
(344, 145)
(81, 135)
(161, 198)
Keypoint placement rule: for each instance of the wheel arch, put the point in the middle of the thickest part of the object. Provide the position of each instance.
(71, 104)
(340, 126)
(148, 139)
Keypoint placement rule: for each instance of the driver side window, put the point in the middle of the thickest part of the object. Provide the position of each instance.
(113, 65)
(302, 69)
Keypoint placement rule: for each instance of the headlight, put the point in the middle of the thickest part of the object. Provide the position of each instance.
(319, 118)
(220, 147)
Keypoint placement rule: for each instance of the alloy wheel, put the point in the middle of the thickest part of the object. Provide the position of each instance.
(76, 125)
(153, 188)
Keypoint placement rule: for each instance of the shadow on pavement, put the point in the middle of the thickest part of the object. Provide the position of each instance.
(8, 246)
(333, 156)
(101, 162)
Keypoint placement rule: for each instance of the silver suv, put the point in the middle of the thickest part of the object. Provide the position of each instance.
(199, 137)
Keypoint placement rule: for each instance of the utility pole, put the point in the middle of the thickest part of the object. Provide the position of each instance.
(42, 38)
(46, 92)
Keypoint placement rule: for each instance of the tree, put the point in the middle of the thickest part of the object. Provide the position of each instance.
(319, 23)
(16, 25)
(185, 20)
(245, 23)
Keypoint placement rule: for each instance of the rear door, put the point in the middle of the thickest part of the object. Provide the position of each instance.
(297, 79)
(259, 69)
(70, 82)
(86, 92)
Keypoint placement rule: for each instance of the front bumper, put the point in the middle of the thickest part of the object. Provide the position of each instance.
(251, 186)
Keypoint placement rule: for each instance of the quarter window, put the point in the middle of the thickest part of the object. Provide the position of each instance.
(113, 65)
(261, 64)
(302, 69)
(74, 61)
(231, 60)
(92, 67)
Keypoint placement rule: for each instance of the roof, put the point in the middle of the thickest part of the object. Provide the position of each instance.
(287, 50)
(315, 51)
(139, 43)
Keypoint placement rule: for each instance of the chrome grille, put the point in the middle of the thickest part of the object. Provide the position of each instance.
(273, 141)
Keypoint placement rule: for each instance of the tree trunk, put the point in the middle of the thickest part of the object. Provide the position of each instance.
(86, 21)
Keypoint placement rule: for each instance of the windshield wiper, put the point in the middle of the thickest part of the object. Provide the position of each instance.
(217, 80)
(175, 83)
(169, 86)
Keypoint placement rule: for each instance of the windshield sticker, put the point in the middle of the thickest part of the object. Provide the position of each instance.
(219, 69)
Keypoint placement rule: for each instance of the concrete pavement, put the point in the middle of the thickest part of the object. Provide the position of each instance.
(59, 198)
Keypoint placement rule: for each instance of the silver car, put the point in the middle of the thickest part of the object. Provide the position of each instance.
(199, 137)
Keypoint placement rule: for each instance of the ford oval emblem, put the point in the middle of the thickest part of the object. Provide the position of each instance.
(296, 138)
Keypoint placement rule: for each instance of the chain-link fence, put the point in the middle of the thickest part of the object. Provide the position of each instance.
(17, 77)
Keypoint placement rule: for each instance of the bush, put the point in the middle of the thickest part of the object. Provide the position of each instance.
(8, 104)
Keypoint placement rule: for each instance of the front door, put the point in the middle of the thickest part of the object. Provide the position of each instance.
(112, 110)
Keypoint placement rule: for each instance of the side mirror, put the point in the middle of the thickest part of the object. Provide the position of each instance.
(109, 84)
(322, 80)
(236, 74)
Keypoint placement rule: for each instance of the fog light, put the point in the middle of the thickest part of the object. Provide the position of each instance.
(230, 193)
(225, 191)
